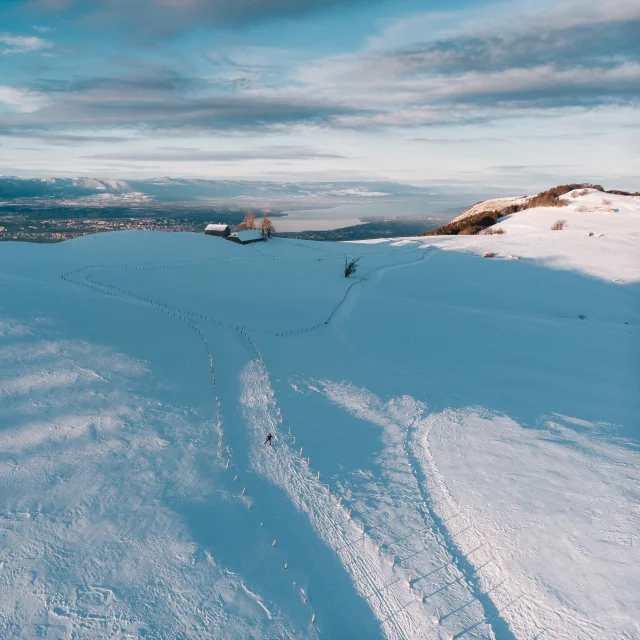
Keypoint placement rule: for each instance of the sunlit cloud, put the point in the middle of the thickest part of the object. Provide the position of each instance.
(10, 44)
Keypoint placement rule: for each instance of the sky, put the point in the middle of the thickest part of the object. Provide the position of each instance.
(449, 92)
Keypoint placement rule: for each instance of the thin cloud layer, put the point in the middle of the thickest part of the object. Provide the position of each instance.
(182, 154)
(62, 139)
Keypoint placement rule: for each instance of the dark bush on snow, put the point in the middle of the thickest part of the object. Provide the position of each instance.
(350, 266)
(617, 192)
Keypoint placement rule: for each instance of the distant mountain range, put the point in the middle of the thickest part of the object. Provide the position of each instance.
(183, 190)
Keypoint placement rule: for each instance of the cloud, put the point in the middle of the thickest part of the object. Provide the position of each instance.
(577, 54)
(544, 85)
(62, 139)
(140, 110)
(21, 100)
(21, 44)
(496, 62)
(184, 154)
(501, 18)
(169, 16)
(592, 45)
(454, 140)
(157, 98)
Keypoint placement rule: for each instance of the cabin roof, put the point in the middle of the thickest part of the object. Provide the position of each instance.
(249, 234)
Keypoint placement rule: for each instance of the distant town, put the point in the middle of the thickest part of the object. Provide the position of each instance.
(47, 224)
(33, 223)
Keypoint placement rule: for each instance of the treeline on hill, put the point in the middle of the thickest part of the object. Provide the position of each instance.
(549, 198)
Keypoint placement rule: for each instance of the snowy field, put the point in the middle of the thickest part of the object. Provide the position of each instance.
(456, 437)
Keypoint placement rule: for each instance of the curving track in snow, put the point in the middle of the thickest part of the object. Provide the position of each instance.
(388, 582)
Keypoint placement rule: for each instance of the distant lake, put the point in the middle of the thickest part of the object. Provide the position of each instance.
(348, 215)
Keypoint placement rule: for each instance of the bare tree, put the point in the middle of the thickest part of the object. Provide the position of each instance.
(249, 222)
(266, 226)
(350, 266)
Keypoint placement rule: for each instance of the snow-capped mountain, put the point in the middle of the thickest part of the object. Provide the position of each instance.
(187, 189)
(14, 187)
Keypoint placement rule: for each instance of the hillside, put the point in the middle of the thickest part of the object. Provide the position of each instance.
(456, 445)
(495, 204)
(481, 216)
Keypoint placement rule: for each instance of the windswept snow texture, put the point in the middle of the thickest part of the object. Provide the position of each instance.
(456, 440)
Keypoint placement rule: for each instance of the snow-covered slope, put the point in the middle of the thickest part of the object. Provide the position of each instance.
(495, 204)
(456, 438)
(600, 236)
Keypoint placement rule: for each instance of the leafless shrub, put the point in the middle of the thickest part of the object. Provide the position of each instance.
(584, 192)
(558, 225)
(560, 202)
(470, 230)
(582, 209)
(493, 232)
(350, 266)
(606, 201)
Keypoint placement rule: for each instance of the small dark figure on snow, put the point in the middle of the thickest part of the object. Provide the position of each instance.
(269, 439)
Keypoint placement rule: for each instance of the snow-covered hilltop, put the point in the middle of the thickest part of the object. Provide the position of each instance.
(456, 445)
(598, 234)
(482, 215)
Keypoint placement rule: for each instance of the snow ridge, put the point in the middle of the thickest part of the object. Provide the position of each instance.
(384, 587)
(526, 615)
(422, 545)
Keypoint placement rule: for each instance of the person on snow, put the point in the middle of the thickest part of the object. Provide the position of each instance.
(269, 438)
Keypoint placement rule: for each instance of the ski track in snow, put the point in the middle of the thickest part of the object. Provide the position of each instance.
(515, 598)
(400, 612)
(511, 603)
(388, 590)
(532, 614)
(403, 518)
